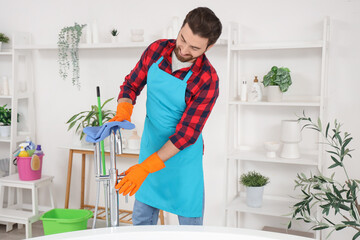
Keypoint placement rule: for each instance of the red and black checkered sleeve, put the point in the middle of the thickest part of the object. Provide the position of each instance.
(196, 113)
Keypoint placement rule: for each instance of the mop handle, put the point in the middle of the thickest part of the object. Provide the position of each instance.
(100, 124)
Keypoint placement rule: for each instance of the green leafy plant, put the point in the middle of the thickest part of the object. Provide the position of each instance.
(253, 179)
(5, 116)
(114, 32)
(68, 43)
(278, 77)
(4, 38)
(90, 118)
(339, 198)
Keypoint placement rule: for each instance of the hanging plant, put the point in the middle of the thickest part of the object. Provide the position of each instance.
(68, 43)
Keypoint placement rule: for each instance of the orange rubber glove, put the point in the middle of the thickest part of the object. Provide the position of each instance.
(123, 112)
(136, 174)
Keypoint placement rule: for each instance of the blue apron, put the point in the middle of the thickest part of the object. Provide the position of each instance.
(179, 187)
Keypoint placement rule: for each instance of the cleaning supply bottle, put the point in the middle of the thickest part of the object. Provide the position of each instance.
(17, 151)
(23, 153)
(38, 151)
(244, 93)
(31, 145)
(255, 95)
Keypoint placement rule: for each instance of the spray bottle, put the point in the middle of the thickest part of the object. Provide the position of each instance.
(23, 153)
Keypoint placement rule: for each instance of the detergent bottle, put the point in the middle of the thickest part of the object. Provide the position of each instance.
(38, 151)
(23, 153)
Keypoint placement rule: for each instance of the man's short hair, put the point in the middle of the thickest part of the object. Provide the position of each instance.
(203, 22)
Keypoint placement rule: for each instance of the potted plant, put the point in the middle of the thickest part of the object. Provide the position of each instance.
(5, 121)
(90, 118)
(3, 39)
(277, 81)
(68, 43)
(337, 200)
(114, 34)
(254, 183)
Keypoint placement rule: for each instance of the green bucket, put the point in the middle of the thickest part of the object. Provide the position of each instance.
(60, 220)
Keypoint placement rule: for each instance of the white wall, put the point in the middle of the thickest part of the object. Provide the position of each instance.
(260, 20)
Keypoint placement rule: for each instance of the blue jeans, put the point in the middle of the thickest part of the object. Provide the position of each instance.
(144, 214)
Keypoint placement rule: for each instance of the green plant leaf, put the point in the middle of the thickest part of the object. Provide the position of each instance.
(356, 236)
(71, 125)
(319, 125)
(320, 228)
(327, 130)
(103, 105)
(73, 117)
(338, 227)
(329, 221)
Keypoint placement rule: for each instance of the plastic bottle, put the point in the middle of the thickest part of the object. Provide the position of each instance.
(243, 96)
(255, 95)
(17, 151)
(30, 144)
(23, 153)
(38, 150)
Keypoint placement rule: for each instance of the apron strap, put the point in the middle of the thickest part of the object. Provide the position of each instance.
(159, 61)
(188, 75)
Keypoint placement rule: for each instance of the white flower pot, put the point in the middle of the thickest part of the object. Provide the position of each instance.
(0, 46)
(290, 137)
(274, 94)
(114, 39)
(254, 196)
(5, 131)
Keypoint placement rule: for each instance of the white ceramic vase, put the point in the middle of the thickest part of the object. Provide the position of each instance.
(254, 196)
(290, 137)
(274, 94)
(5, 131)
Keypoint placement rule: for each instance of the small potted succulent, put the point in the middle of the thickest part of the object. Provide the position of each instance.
(114, 35)
(254, 183)
(3, 39)
(89, 118)
(277, 81)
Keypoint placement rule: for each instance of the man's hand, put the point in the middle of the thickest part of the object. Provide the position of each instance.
(123, 112)
(137, 174)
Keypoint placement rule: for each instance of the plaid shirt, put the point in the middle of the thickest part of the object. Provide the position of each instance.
(200, 96)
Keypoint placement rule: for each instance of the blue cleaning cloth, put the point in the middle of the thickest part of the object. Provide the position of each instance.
(97, 134)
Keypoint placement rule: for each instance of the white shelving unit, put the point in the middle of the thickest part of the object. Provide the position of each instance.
(245, 152)
(20, 98)
(17, 66)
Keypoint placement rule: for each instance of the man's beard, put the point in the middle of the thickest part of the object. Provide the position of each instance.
(188, 57)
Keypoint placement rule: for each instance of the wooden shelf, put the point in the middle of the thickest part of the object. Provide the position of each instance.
(272, 206)
(259, 155)
(277, 45)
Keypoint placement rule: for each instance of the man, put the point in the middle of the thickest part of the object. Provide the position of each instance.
(182, 88)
